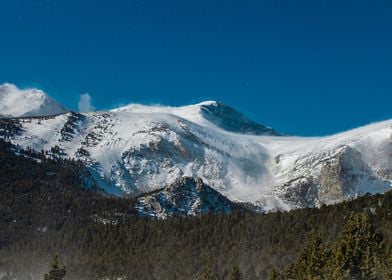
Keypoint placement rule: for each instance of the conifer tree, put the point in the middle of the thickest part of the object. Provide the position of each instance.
(311, 262)
(235, 273)
(207, 274)
(358, 254)
(275, 275)
(57, 272)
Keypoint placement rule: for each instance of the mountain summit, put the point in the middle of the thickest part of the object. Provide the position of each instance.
(137, 149)
(15, 102)
(207, 113)
(230, 119)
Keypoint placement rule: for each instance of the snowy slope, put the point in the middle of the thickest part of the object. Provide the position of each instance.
(15, 102)
(137, 149)
(313, 171)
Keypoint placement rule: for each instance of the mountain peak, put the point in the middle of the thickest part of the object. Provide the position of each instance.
(228, 118)
(16, 102)
(207, 112)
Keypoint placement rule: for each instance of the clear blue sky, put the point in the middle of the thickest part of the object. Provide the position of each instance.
(302, 67)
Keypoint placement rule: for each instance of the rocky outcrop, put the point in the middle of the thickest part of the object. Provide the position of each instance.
(230, 119)
(340, 177)
(187, 196)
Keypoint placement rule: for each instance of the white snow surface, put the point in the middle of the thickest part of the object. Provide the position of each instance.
(137, 148)
(15, 102)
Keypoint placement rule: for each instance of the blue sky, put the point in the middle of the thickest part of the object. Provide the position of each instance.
(301, 67)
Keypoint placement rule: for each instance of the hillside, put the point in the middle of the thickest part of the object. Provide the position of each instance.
(46, 209)
(138, 149)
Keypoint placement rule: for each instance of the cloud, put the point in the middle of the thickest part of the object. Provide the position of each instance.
(84, 104)
(27, 102)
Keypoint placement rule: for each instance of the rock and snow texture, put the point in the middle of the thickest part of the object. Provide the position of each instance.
(230, 119)
(137, 149)
(15, 102)
(185, 197)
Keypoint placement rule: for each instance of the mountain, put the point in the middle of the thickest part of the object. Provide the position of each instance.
(230, 119)
(15, 102)
(48, 207)
(185, 197)
(325, 170)
(138, 149)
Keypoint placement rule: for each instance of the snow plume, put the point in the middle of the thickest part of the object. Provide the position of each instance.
(16, 102)
(84, 104)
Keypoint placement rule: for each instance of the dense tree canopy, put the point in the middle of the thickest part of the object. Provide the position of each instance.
(359, 253)
(49, 206)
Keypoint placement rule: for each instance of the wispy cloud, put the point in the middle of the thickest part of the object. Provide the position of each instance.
(84, 104)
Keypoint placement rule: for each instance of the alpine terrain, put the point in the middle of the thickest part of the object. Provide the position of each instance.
(15, 102)
(199, 158)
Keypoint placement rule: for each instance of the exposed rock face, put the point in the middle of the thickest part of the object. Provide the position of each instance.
(138, 149)
(230, 119)
(301, 192)
(72, 126)
(341, 177)
(187, 196)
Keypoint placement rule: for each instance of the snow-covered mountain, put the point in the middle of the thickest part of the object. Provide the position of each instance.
(15, 102)
(230, 119)
(137, 149)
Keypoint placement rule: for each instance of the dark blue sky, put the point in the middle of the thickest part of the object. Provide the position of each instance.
(302, 67)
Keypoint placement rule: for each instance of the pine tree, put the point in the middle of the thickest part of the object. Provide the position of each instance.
(207, 275)
(235, 273)
(311, 262)
(358, 254)
(275, 275)
(56, 272)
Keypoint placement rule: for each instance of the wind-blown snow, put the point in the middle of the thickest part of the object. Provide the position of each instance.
(136, 148)
(15, 102)
(84, 104)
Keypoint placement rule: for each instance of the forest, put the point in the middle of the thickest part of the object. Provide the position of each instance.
(51, 207)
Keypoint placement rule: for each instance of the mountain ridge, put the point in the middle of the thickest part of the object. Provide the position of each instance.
(137, 149)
